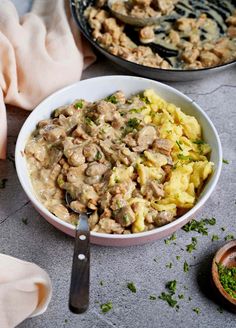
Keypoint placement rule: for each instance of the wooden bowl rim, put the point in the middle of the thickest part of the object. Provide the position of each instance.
(215, 275)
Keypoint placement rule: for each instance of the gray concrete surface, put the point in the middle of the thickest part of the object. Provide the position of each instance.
(144, 265)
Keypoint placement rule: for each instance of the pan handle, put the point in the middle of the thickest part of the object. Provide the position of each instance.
(79, 287)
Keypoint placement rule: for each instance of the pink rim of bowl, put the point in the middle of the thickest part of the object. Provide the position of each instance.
(97, 88)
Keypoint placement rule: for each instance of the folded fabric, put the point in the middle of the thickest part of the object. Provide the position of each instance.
(25, 291)
(39, 53)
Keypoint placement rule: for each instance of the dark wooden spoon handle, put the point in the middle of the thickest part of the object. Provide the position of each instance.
(79, 287)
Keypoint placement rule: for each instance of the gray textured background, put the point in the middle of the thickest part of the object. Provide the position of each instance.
(52, 250)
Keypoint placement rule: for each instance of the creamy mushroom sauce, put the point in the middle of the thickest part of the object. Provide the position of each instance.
(138, 163)
(194, 34)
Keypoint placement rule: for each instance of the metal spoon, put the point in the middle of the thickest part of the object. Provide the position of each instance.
(132, 20)
(79, 286)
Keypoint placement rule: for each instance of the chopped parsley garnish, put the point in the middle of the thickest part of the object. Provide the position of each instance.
(25, 220)
(199, 226)
(3, 183)
(227, 278)
(179, 145)
(106, 307)
(186, 266)
(137, 110)
(133, 123)
(199, 142)
(112, 99)
(184, 158)
(171, 285)
(98, 156)
(79, 104)
(132, 287)
(168, 241)
(225, 161)
(168, 298)
(196, 310)
(88, 120)
(144, 99)
(192, 246)
(214, 238)
(211, 221)
(229, 237)
(125, 218)
(152, 297)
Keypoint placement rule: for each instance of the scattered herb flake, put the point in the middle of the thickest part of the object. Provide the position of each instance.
(155, 260)
(184, 158)
(25, 220)
(152, 297)
(133, 123)
(168, 298)
(214, 238)
(211, 221)
(79, 104)
(132, 287)
(181, 296)
(168, 240)
(229, 237)
(177, 257)
(101, 283)
(186, 266)
(66, 321)
(192, 246)
(222, 228)
(199, 142)
(3, 183)
(199, 226)
(112, 99)
(171, 285)
(98, 156)
(137, 110)
(106, 307)
(225, 161)
(197, 310)
(190, 298)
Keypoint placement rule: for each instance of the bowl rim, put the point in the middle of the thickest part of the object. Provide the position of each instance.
(136, 65)
(33, 198)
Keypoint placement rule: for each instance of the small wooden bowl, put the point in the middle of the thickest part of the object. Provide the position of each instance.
(226, 256)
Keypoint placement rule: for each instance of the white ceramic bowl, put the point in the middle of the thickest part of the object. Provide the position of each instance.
(94, 89)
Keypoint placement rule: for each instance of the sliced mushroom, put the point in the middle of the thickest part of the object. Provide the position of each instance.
(163, 218)
(145, 138)
(96, 169)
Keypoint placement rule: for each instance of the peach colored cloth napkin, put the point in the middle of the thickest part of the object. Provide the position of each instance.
(39, 53)
(25, 291)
